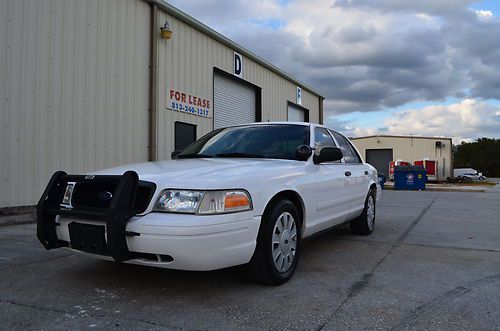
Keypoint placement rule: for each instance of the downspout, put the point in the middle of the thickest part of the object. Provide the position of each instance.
(321, 99)
(153, 85)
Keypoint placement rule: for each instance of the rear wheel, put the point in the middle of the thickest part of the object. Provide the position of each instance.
(365, 223)
(278, 243)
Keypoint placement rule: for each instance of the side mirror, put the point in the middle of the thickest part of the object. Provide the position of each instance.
(174, 154)
(328, 154)
(303, 152)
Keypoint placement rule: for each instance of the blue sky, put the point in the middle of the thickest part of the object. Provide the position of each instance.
(427, 67)
(492, 5)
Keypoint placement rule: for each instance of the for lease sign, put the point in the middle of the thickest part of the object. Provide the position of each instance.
(189, 103)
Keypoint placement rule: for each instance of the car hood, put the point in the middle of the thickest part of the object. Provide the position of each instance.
(208, 173)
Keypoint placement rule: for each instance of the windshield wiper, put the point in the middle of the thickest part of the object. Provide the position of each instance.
(240, 155)
(193, 156)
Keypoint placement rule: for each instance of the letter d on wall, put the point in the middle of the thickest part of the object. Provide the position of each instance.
(238, 65)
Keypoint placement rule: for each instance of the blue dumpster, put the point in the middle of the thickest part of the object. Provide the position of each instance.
(409, 178)
(381, 180)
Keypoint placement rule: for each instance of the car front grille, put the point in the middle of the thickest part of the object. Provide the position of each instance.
(89, 195)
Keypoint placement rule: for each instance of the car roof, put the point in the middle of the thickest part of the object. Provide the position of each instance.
(281, 123)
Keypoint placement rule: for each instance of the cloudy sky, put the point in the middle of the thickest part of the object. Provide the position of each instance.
(426, 67)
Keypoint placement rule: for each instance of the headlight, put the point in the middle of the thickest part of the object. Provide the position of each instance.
(177, 201)
(203, 202)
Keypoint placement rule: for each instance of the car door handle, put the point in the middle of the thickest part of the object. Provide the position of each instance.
(347, 173)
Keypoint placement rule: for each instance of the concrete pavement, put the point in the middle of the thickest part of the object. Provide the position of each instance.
(433, 262)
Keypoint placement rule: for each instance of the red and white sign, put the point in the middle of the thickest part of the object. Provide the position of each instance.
(189, 103)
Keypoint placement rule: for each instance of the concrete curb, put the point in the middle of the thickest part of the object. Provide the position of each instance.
(17, 219)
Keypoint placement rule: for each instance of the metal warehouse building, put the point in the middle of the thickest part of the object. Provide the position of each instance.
(382, 149)
(88, 85)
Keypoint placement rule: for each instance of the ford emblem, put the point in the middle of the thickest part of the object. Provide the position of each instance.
(104, 196)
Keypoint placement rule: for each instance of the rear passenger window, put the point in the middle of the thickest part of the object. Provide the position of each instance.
(350, 155)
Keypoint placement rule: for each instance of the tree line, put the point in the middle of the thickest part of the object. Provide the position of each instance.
(482, 155)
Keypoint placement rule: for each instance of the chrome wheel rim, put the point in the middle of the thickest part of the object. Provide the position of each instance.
(284, 242)
(370, 212)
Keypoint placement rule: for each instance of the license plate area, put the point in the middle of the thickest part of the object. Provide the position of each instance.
(88, 238)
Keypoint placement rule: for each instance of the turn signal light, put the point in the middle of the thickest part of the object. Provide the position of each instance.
(236, 201)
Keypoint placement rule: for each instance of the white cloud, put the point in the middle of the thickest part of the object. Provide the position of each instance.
(365, 55)
(465, 120)
(484, 15)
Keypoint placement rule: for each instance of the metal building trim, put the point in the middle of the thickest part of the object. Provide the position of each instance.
(400, 136)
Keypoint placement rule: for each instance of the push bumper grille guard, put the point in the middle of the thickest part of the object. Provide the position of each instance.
(116, 216)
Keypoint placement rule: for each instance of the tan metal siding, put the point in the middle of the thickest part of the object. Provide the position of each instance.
(411, 149)
(74, 82)
(74, 88)
(186, 64)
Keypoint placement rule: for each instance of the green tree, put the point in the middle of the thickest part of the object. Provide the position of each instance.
(482, 155)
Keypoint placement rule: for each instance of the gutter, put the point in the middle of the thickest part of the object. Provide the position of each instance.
(321, 115)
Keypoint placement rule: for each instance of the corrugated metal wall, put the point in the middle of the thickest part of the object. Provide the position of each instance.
(186, 63)
(73, 93)
(74, 80)
(411, 149)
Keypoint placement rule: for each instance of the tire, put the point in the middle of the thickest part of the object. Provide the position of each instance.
(278, 244)
(365, 223)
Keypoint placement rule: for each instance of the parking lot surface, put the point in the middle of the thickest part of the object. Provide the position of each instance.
(433, 262)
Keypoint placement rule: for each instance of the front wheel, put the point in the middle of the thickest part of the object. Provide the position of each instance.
(278, 243)
(365, 223)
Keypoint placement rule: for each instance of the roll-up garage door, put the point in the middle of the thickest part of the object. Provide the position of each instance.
(380, 158)
(296, 114)
(234, 103)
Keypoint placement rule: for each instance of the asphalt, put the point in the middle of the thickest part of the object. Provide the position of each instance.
(433, 262)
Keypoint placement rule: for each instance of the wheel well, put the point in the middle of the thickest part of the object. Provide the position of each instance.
(373, 187)
(294, 197)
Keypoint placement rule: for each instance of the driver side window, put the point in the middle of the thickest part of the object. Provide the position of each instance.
(322, 139)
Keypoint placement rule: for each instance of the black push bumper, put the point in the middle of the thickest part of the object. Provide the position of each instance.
(115, 215)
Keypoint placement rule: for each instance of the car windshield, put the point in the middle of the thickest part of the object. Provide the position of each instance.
(273, 141)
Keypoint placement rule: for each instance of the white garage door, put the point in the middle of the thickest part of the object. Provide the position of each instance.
(295, 114)
(234, 103)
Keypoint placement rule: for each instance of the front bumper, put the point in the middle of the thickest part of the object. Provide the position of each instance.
(186, 242)
(177, 241)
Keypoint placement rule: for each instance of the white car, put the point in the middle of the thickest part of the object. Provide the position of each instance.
(474, 176)
(240, 195)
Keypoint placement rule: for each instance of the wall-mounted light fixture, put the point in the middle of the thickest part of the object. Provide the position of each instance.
(166, 31)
